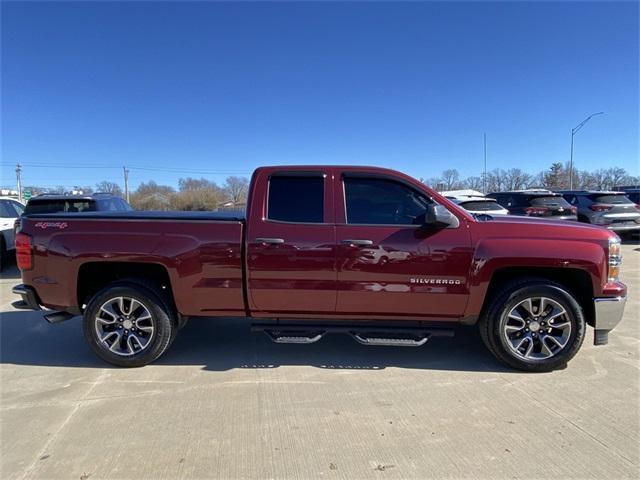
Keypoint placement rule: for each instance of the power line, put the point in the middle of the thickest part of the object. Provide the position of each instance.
(152, 169)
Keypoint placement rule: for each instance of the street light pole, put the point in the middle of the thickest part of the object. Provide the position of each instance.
(484, 173)
(575, 130)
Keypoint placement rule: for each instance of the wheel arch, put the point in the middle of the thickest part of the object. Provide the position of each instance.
(94, 276)
(577, 282)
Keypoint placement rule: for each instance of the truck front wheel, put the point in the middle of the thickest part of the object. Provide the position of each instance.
(128, 324)
(534, 325)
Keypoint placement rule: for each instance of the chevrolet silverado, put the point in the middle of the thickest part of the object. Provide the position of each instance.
(365, 251)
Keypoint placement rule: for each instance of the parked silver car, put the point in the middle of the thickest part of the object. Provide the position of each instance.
(612, 210)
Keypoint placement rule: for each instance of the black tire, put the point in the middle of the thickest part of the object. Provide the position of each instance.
(163, 320)
(492, 322)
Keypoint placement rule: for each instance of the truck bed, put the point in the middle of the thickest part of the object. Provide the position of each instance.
(196, 254)
(146, 215)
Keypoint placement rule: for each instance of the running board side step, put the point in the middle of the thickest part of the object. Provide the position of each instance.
(292, 336)
(403, 340)
(366, 335)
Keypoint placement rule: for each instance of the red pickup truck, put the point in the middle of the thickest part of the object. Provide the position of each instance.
(366, 251)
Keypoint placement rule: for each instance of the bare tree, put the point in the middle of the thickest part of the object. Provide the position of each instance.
(434, 182)
(235, 189)
(516, 179)
(151, 196)
(473, 183)
(202, 200)
(109, 187)
(186, 184)
(495, 180)
(451, 179)
(196, 194)
(617, 176)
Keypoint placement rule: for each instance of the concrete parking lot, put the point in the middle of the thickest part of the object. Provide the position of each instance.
(227, 403)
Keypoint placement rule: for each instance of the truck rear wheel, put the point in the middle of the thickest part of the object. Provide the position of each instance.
(128, 324)
(534, 325)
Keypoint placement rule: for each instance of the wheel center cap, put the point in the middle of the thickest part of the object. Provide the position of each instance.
(127, 324)
(534, 326)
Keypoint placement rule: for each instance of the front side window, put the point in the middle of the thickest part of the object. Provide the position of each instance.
(375, 201)
(296, 198)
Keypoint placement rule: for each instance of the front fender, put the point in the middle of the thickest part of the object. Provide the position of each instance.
(495, 254)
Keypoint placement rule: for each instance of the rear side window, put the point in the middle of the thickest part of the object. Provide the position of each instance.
(610, 199)
(376, 201)
(296, 199)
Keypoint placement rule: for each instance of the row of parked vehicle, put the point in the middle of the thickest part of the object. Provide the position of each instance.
(615, 210)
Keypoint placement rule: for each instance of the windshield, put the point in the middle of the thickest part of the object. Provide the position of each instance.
(610, 199)
(549, 200)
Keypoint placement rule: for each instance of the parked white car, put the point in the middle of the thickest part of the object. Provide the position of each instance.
(10, 209)
(475, 202)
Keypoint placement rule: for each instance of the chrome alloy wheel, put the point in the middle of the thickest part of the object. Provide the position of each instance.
(124, 326)
(537, 328)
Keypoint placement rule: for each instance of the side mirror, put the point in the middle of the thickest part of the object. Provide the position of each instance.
(437, 217)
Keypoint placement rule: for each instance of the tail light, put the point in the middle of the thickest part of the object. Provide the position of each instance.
(600, 207)
(536, 210)
(24, 251)
(637, 206)
(615, 259)
(574, 210)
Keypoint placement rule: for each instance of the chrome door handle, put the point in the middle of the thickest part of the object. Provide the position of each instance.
(270, 241)
(357, 242)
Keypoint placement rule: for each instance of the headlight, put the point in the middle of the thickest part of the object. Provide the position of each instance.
(615, 259)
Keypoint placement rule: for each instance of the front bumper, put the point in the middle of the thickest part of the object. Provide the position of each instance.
(608, 314)
(29, 298)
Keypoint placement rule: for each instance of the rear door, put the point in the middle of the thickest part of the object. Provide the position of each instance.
(385, 268)
(291, 243)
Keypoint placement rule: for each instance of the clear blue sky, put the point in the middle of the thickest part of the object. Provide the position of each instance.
(221, 87)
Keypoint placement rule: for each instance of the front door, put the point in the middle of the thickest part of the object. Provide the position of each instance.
(291, 241)
(385, 266)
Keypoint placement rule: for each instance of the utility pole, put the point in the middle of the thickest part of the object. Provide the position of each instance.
(126, 182)
(575, 130)
(19, 180)
(484, 175)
